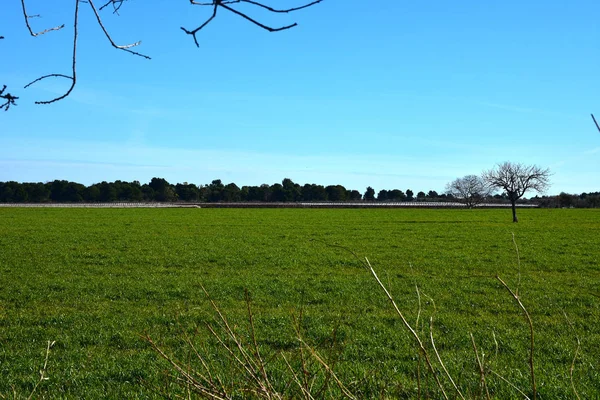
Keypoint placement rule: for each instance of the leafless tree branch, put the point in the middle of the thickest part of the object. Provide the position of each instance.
(278, 11)
(9, 98)
(115, 3)
(193, 32)
(126, 47)
(595, 122)
(265, 27)
(73, 76)
(34, 34)
(226, 5)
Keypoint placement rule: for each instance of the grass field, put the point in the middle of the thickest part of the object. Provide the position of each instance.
(96, 280)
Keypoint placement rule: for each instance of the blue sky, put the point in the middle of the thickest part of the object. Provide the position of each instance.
(392, 94)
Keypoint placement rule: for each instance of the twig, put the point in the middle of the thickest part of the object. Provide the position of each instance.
(572, 368)
(510, 384)
(531, 350)
(407, 325)
(73, 78)
(261, 364)
(126, 47)
(317, 357)
(302, 387)
(193, 32)
(413, 333)
(10, 99)
(481, 368)
(189, 378)
(595, 122)
(265, 27)
(115, 3)
(43, 370)
(226, 5)
(280, 11)
(518, 264)
(26, 17)
(439, 358)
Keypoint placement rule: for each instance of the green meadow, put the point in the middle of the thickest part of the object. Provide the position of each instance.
(97, 281)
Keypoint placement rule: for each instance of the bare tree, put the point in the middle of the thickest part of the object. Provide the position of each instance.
(516, 179)
(215, 5)
(470, 190)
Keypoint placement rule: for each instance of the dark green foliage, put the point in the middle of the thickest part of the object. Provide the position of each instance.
(369, 194)
(162, 191)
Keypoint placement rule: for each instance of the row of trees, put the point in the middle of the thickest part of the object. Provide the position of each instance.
(159, 189)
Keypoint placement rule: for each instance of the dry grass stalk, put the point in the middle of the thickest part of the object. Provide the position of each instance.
(572, 368)
(253, 377)
(437, 354)
(518, 264)
(510, 384)
(43, 376)
(480, 364)
(531, 336)
(409, 327)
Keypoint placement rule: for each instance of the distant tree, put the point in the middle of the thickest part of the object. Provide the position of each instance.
(214, 191)
(471, 190)
(7, 192)
(91, 194)
(255, 193)
(354, 195)
(314, 192)
(396, 195)
(291, 190)
(277, 193)
(163, 190)
(369, 194)
(231, 193)
(421, 196)
(265, 192)
(433, 195)
(107, 192)
(336, 193)
(382, 195)
(409, 195)
(187, 192)
(37, 192)
(147, 192)
(516, 179)
(566, 200)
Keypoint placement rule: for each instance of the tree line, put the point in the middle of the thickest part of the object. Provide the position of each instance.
(160, 190)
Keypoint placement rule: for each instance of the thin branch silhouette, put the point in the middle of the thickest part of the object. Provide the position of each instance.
(595, 122)
(73, 76)
(27, 17)
(226, 4)
(9, 99)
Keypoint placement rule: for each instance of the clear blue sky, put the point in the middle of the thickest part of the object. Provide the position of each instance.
(392, 94)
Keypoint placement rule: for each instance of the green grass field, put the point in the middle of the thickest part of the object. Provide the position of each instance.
(96, 280)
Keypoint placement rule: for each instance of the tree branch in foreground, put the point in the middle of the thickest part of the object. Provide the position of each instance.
(226, 4)
(73, 76)
(27, 17)
(9, 99)
(125, 47)
(595, 122)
